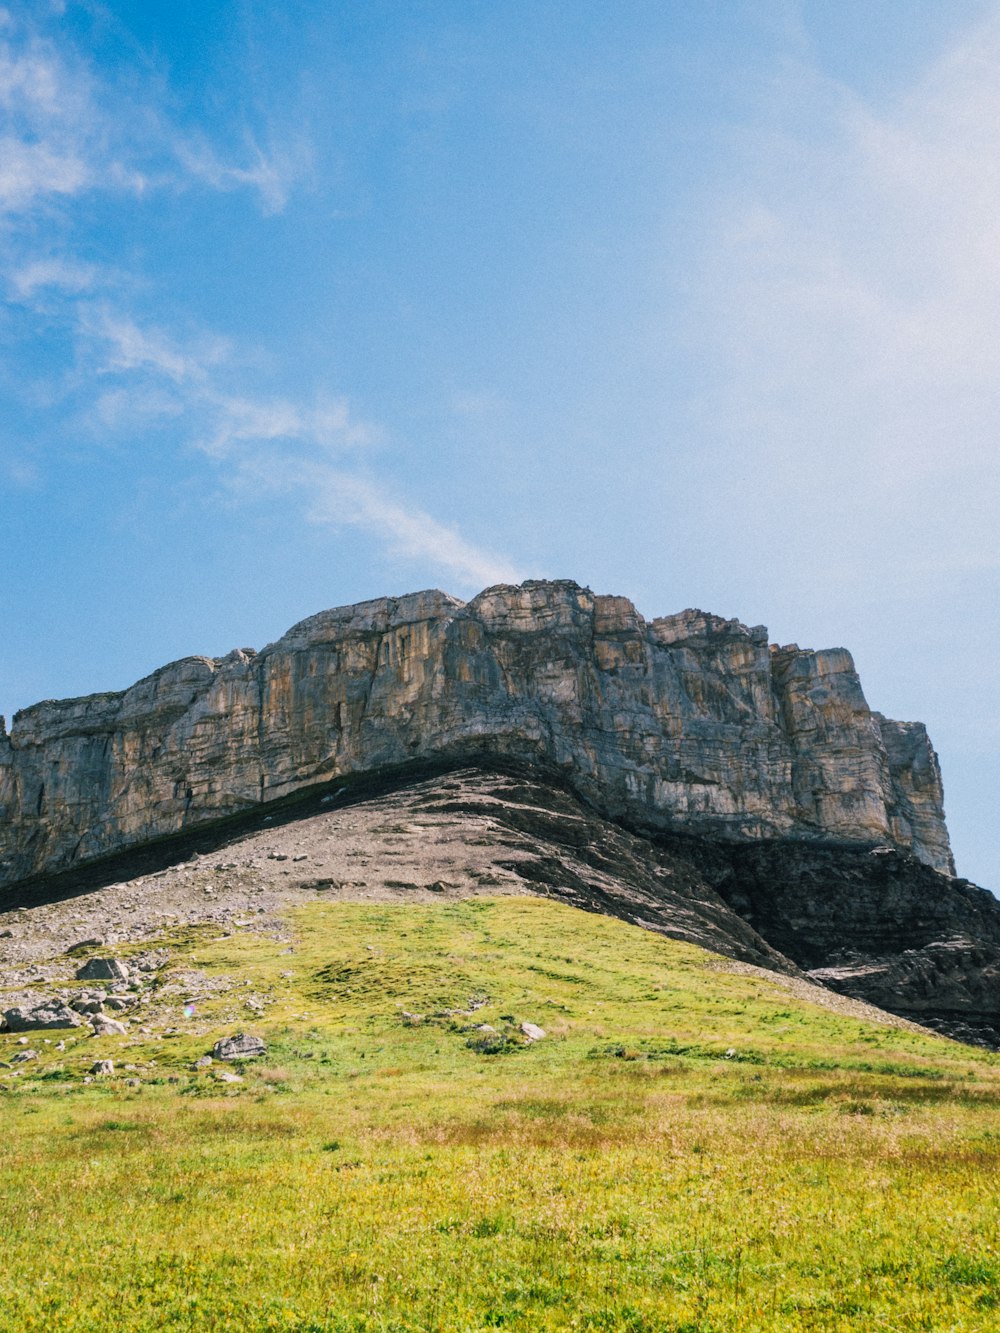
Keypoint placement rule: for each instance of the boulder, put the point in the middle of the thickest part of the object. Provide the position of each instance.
(103, 1068)
(532, 1031)
(107, 1027)
(103, 969)
(239, 1047)
(40, 1017)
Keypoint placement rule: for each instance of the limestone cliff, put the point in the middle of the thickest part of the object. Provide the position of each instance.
(686, 723)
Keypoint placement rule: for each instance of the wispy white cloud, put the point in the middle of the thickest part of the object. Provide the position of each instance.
(271, 174)
(132, 408)
(46, 122)
(29, 171)
(64, 131)
(51, 274)
(850, 303)
(329, 424)
(336, 496)
(273, 445)
(225, 419)
(340, 498)
(130, 347)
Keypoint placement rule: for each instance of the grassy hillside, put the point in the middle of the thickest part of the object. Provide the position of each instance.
(688, 1148)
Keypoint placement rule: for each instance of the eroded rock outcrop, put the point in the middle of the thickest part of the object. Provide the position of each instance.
(688, 722)
(878, 925)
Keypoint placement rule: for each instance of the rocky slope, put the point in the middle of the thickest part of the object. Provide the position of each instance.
(454, 834)
(688, 722)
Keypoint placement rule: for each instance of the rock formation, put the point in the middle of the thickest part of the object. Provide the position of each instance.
(875, 924)
(406, 838)
(870, 923)
(686, 723)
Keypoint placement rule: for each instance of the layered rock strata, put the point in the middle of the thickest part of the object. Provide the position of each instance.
(689, 722)
(877, 925)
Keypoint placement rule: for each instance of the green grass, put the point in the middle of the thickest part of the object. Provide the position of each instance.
(626, 1173)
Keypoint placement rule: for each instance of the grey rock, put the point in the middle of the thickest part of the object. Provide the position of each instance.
(239, 1047)
(103, 1068)
(951, 985)
(203, 1062)
(107, 1027)
(87, 1003)
(119, 1002)
(913, 822)
(225, 1076)
(40, 1017)
(685, 723)
(103, 969)
(532, 1031)
(820, 817)
(882, 928)
(23, 1056)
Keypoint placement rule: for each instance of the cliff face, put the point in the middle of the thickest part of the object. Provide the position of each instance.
(688, 722)
(877, 925)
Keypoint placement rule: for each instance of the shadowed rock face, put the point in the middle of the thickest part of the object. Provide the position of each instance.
(688, 722)
(875, 924)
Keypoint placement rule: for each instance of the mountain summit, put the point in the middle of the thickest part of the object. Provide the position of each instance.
(683, 774)
(688, 723)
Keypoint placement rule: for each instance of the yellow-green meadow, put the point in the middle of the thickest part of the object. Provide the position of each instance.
(687, 1148)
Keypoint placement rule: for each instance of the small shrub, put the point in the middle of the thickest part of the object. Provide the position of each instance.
(490, 1043)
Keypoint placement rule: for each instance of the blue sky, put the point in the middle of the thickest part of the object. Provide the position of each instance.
(307, 302)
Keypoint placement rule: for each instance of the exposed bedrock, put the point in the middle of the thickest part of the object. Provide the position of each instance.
(877, 925)
(688, 722)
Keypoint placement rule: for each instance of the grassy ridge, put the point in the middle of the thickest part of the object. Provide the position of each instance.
(687, 1149)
